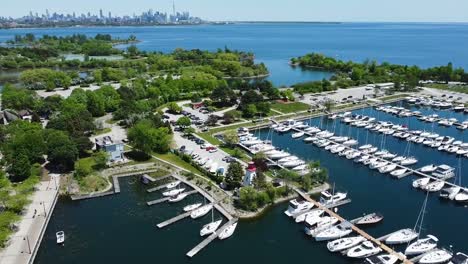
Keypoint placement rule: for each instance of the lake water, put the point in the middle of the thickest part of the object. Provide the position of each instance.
(122, 229)
(275, 43)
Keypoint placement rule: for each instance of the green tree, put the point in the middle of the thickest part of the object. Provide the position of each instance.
(96, 104)
(146, 138)
(248, 198)
(61, 150)
(260, 180)
(306, 182)
(231, 138)
(184, 122)
(20, 169)
(234, 175)
(174, 108)
(100, 160)
(250, 111)
(83, 168)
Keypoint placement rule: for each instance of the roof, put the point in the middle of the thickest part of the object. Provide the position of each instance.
(107, 141)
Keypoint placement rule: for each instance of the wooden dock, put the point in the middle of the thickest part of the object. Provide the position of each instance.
(115, 180)
(162, 200)
(209, 239)
(173, 220)
(356, 229)
(156, 188)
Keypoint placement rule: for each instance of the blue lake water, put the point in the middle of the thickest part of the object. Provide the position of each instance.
(422, 44)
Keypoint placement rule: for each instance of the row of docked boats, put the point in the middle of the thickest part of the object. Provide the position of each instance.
(436, 103)
(429, 139)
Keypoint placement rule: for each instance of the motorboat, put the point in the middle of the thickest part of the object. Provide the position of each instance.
(409, 161)
(399, 172)
(337, 149)
(334, 232)
(310, 139)
(462, 197)
(323, 224)
(201, 211)
(401, 236)
(331, 146)
(327, 198)
(210, 228)
(382, 259)
(370, 161)
(287, 159)
(297, 135)
(450, 192)
(173, 192)
(279, 155)
(370, 219)
(339, 139)
(368, 146)
(351, 142)
(173, 184)
(421, 246)
(179, 197)
(421, 183)
(436, 256)
(353, 155)
(298, 206)
(428, 168)
(377, 164)
(314, 213)
(300, 167)
(341, 244)
(293, 163)
(228, 231)
(362, 159)
(435, 186)
(364, 250)
(387, 168)
(312, 130)
(459, 258)
(192, 207)
(444, 172)
(388, 155)
(60, 235)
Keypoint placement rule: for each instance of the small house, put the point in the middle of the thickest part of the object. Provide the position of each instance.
(114, 148)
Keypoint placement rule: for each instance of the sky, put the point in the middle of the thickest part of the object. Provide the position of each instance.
(263, 10)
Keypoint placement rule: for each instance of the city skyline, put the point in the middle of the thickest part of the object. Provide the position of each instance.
(262, 10)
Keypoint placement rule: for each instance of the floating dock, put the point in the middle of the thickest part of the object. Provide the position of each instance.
(359, 231)
(209, 239)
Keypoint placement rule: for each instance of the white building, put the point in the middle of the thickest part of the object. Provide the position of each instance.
(250, 174)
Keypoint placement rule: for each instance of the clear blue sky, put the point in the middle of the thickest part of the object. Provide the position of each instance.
(266, 10)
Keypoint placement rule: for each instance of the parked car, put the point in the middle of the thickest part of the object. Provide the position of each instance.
(213, 150)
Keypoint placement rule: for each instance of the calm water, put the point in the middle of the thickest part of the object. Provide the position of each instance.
(420, 44)
(122, 229)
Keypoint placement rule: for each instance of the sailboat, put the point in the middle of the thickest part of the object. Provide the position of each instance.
(425, 244)
(452, 192)
(211, 227)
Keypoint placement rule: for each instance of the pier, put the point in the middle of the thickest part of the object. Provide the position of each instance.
(328, 206)
(359, 231)
(209, 239)
(158, 201)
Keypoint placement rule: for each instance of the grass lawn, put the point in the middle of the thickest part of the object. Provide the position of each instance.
(452, 88)
(290, 107)
(208, 137)
(175, 160)
(92, 183)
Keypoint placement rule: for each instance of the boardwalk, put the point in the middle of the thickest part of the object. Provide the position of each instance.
(356, 229)
(209, 239)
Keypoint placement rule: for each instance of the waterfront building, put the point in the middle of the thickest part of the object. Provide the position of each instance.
(113, 147)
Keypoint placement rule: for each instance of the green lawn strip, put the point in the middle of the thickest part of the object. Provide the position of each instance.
(452, 88)
(176, 160)
(291, 107)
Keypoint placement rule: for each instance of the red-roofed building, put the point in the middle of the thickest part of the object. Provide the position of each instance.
(250, 174)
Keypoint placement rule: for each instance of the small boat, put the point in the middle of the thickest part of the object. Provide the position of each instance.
(459, 258)
(428, 168)
(314, 213)
(382, 259)
(297, 135)
(368, 146)
(173, 192)
(364, 250)
(298, 206)
(228, 231)
(370, 219)
(421, 183)
(334, 232)
(436, 256)
(435, 186)
(399, 172)
(398, 159)
(409, 161)
(323, 224)
(192, 207)
(178, 198)
(210, 228)
(450, 192)
(344, 243)
(328, 198)
(462, 197)
(202, 211)
(378, 164)
(401, 236)
(388, 168)
(172, 185)
(421, 246)
(60, 235)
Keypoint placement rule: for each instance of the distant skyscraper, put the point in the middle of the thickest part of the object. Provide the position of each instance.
(110, 15)
(47, 13)
(173, 8)
(100, 13)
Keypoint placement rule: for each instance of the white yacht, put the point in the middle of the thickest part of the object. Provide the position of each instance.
(344, 243)
(368, 146)
(192, 207)
(399, 172)
(444, 172)
(179, 197)
(228, 231)
(297, 207)
(382, 259)
(328, 198)
(421, 183)
(287, 159)
(210, 228)
(388, 168)
(421, 246)
(401, 236)
(173, 192)
(364, 250)
(323, 224)
(297, 135)
(409, 161)
(377, 164)
(309, 139)
(436, 256)
(293, 163)
(279, 155)
(429, 168)
(60, 235)
(314, 213)
(201, 211)
(450, 192)
(334, 232)
(353, 155)
(435, 186)
(362, 158)
(462, 197)
(351, 142)
(172, 184)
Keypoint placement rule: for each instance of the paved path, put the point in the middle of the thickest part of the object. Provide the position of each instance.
(25, 242)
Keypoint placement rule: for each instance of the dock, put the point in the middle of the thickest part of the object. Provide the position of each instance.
(176, 218)
(162, 200)
(156, 188)
(115, 180)
(333, 205)
(209, 239)
(355, 228)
